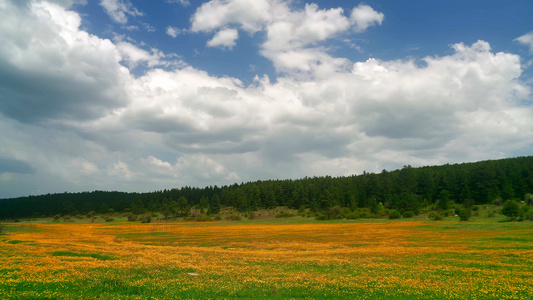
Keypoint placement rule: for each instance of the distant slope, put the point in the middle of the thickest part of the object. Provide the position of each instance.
(407, 189)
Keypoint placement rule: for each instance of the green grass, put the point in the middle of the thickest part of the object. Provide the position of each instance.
(20, 242)
(479, 268)
(77, 254)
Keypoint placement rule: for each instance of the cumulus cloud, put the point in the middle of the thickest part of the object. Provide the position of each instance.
(527, 40)
(292, 34)
(251, 15)
(119, 10)
(225, 38)
(364, 16)
(49, 69)
(73, 118)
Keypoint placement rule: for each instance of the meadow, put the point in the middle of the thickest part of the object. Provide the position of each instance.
(294, 258)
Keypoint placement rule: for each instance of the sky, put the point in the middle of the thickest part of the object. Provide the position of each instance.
(137, 96)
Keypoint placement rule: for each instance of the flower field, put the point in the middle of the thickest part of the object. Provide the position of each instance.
(224, 260)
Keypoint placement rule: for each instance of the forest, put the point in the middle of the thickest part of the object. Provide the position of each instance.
(404, 191)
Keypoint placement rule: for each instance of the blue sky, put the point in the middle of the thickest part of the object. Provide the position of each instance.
(143, 95)
(416, 29)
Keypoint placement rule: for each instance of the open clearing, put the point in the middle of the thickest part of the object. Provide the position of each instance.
(295, 259)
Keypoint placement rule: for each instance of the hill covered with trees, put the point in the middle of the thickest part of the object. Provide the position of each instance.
(407, 190)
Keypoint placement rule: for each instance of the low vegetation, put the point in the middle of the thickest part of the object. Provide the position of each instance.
(277, 258)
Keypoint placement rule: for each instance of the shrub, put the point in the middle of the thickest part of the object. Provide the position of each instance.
(284, 214)
(408, 214)
(321, 217)
(352, 216)
(203, 218)
(464, 214)
(56, 218)
(233, 218)
(146, 219)
(1, 228)
(251, 215)
(333, 212)
(491, 214)
(435, 216)
(394, 214)
(132, 218)
(109, 219)
(218, 217)
(511, 209)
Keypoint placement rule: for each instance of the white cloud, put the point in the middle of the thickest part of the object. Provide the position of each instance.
(292, 35)
(74, 73)
(225, 38)
(119, 9)
(182, 2)
(95, 126)
(526, 39)
(174, 31)
(251, 15)
(364, 16)
(134, 55)
(120, 169)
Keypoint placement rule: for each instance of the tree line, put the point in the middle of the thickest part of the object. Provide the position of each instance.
(407, 189)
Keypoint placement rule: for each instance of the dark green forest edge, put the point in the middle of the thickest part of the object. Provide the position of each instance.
(439, 191)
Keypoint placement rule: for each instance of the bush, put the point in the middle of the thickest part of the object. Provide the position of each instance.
(333, 212)
(56, 218)
(352, 216)
(435, 216)
(510, 209)
(203, 218)
(218, 217)
(146, 219)
(464, 214)
(408, 214)
(394, 214)
(251, 215)
(1, 228)
(284, 214)
(109, 219)
(321, 217)
(491, 214)
(132, 218)
(233, 218)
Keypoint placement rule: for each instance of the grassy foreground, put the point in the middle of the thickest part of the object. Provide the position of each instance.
(296, 259)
